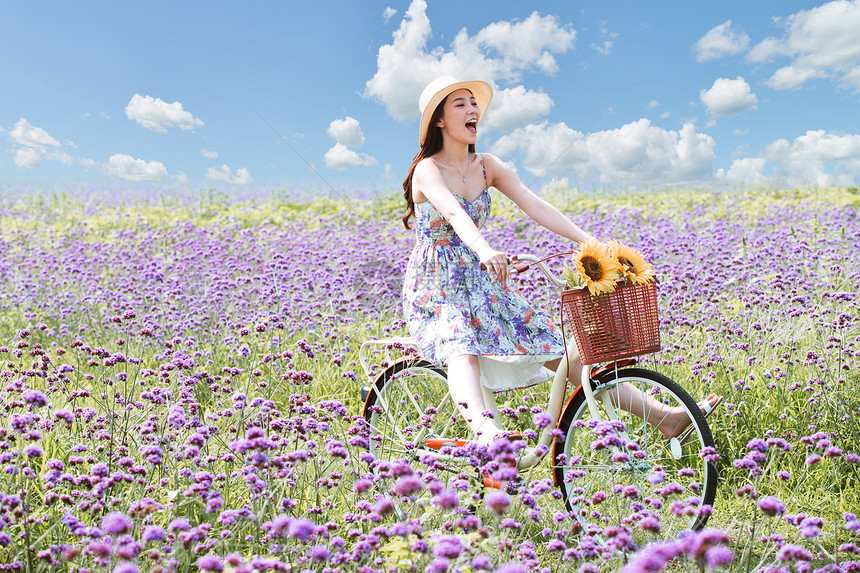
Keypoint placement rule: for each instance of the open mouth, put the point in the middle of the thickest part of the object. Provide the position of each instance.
(472, 125)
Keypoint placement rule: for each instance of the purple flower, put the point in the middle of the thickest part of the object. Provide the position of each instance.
(362, 485)
(498, 501)
(448, 546)
(33, 451)
(650, 523)
(336, 449)
(384, 506)
(408, 485)
(210, 563)
(179, 524)
(810, 526)
(653, 557)
(64, 415)
(758, 445)
(99, 549)
(116, 523)
(511, 567)
(34, 398)
(319, 553)
(718, 556)
(771, 506)
(438, 565)
(301, 529)
(126, 567)
(127, 548)
(277, 525)
(541, 419)
(793, 553)
(447, 499)
(152, 533)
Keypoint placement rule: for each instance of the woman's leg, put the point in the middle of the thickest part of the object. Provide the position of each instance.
(464, 384)
(670, 421)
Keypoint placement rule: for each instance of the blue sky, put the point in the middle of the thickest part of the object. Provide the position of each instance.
(596, 94)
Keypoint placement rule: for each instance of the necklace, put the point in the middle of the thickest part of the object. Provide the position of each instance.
(457, 170)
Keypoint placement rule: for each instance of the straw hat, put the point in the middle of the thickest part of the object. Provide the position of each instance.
(439, 89)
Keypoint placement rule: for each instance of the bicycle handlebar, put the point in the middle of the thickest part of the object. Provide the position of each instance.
(522, 263)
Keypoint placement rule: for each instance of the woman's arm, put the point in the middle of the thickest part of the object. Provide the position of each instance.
(429, 181)
(505, 180)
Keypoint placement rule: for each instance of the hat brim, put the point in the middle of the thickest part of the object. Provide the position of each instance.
(481, 90)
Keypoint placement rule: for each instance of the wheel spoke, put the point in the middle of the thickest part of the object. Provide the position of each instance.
(641, 480)
(411, 405)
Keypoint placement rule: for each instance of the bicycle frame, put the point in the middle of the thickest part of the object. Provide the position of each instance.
(558, 390)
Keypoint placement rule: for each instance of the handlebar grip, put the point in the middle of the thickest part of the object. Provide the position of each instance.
(521, 267)
(514, 262)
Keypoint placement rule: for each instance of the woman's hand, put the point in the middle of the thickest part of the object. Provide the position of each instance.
(496, 263)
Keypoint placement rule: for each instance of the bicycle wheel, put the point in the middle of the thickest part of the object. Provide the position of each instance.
(655, 486)
(408, 405)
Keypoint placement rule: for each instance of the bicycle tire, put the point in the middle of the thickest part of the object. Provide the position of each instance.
(408, 403)
(684, 505)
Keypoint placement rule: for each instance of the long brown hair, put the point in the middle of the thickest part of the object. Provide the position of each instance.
(432, 146)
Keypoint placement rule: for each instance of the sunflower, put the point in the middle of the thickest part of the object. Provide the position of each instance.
(595, 267)
(633, 265)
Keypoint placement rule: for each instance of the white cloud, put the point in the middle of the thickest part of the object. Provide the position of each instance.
(640, 153)
(209, 154)
(545, 147)
(722, 40)
(25, 134)
(182, 177)
(388, 173)
(728, 97)
(87, 162)
(603, 49)
(515, 107)
(817, 157)
(346, 131)
(526, 44)
(36, 144)
(341, 158)
(388, 13)
(127, 167)
(744, 172)
(822, 42)
(27, 157)
(157, 115)
(637, 153)
(62, 157)
(500, 51)
(242, 177)
(653, 103)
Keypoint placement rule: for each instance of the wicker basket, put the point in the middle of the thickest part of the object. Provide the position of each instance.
(614, 325)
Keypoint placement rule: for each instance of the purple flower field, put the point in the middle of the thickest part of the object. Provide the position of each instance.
(179, 386)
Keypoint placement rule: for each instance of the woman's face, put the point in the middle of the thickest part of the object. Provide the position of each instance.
(460, 116)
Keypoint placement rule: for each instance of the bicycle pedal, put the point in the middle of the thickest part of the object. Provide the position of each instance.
(492, 483)
(438, 443)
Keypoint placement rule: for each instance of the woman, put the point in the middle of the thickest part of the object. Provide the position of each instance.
(474, 321)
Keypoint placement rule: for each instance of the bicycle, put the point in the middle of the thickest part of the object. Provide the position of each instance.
(637, 476)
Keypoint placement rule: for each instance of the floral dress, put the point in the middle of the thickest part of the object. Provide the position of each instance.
(452, 307)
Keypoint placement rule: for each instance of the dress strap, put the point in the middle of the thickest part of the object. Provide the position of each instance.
(484, 169)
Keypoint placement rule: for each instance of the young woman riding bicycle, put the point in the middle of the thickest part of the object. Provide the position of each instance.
(475, 321)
